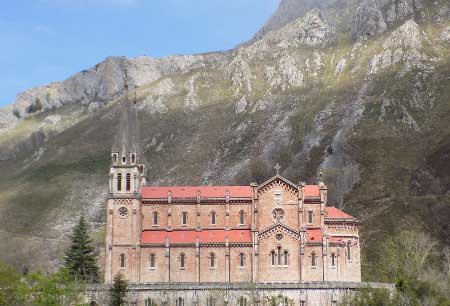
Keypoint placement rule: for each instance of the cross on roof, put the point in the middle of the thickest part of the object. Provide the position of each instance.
(277, 168)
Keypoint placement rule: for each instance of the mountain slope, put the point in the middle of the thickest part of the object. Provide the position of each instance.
(370, 107)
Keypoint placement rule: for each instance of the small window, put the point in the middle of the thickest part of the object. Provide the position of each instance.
(286, 257)
(210, 301)
(242, 301)
(122, 261)
(152, 261)
(279, 255)
(124, 159)
(272, 255)
(149, 302)
(119, 182)
(184, 216)
(128, 185)
(241, 217)
(333, 259)
(179, 302)
(349, 257)
(213, 218)
(313, 260)
(182, 260)
(278, 196)
(133, 158)
(155, 218)
(310, 217)
(114, 158)
(241, 260)
(212, 260)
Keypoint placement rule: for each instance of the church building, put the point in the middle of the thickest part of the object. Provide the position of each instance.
(275, 231)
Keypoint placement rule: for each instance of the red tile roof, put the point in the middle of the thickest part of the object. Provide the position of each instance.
(335, 239)
(312, 191)
(314, 235)
(154, 192)
(189, 236)
(334, 213)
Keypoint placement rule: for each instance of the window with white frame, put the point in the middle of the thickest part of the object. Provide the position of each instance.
(310, 217)
(152, 261)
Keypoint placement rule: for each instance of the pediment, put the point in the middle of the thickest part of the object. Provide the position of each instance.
(278, 180)
(279, 228)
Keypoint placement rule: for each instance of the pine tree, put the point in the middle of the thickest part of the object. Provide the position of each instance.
(81, 259)
(118, 291)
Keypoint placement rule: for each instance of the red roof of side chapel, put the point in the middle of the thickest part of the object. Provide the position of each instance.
(183, 192)
(189, 236)
(334, 213)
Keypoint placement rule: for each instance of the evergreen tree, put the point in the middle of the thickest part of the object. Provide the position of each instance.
(81, 260)
(118, 291)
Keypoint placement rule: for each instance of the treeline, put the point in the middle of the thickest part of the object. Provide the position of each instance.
(419, 267)
(65, 287)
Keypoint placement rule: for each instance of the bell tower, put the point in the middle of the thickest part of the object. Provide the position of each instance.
(126, 176)
(127, 170)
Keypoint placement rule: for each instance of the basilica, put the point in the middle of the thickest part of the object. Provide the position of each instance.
(271, 232)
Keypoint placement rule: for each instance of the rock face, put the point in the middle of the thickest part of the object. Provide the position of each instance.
(358, 89)
(374, 17)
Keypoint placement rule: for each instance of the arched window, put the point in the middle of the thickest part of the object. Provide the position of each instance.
(333, 259)
(119, 182)
(210, 301)
(242, 301)
(124, 159)
(114, 158)
(128, 184)
(184, 216)
(213, 217)
(286, 257)
(349, 257)
(279, 255)
(272, 255)
(133, 158)
(152, 261)
(179, 302)
(149, 302)
(155, 218)
(313, 260)
(241, 260)
(182, 260)
(241, 217)
(122, 260)
(212, 260)
(310, 217)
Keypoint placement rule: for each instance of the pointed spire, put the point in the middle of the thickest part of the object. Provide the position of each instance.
(127, 139)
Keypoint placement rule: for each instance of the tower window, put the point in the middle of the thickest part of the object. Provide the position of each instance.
(210, 301)
(333, 259)
(313, 260)
(212, 260)
(152, 261)
(286, 257)
(272, 255)
(242, 301)
(124, 159)
(182, 260)
(155, 218)
(179, 302)
(128, 185)
(213, 217)
(279, 255)
(114, 158)
(241, 260)
(122, 261)
(119, 182)
(133, 158)
(241, 217)
(184, 217)
(310, 217)
(349, 257)
(149, 302)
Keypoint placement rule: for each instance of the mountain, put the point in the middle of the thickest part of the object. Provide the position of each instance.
(356, 88)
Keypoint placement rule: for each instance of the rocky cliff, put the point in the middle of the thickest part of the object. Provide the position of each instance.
(356, 88)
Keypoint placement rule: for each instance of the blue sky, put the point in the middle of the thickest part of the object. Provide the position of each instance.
(49, 40)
